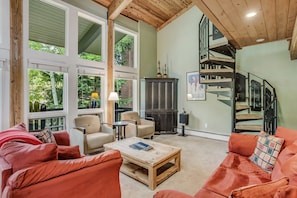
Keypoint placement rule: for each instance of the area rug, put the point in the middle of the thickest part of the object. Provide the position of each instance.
(199, 158)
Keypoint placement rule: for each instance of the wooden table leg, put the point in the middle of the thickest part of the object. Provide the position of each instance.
(152, 177)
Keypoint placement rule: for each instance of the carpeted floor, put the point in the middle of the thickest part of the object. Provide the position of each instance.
(199, 158)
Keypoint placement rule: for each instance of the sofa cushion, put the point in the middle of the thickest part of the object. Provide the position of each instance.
(17, 127)
(17, 134)
(260, 190)
(266, 151)
(287, 191)
(45, 136)
(68, 152)
(289, 169)
(22, 155)
(243, 144)
(288, 152)
(235, 171)
(290, 135)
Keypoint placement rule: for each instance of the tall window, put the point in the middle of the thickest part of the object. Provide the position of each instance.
(124, 49)
(45, 90)
(89, 91)
(89, 39)
(44, 34)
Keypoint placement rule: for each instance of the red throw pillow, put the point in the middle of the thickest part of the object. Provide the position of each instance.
(22, 155)
(68, 152)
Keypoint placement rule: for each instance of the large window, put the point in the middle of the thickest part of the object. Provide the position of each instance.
(89, 91)
(89, 39)
(45, 90)
(46, 27)
(124, 49)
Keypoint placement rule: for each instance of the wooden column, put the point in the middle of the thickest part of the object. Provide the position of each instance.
(110, 78)
(16, 63)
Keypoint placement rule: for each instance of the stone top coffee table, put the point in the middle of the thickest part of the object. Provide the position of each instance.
(149, 167)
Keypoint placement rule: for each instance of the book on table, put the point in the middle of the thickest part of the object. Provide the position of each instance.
(141, 146)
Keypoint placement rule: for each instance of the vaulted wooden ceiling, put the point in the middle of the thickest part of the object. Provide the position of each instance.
(274, 20)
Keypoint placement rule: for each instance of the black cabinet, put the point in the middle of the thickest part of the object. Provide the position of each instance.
(161, 102)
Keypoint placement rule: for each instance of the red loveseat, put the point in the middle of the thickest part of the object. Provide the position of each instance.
(238, 175)
(47, 176)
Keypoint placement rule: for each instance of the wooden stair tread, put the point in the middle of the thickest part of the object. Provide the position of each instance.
(216, 71)
(242, 107)
(216, 80)
(223, 98)
(251, 127)
(218, 89)
(220, 59)
(248, 116)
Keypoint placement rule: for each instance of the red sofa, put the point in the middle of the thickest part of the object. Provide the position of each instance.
(239, 176)
(49, 176)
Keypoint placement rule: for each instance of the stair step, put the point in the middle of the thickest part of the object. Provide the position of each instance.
(218, 89)
(222, 80)
(223, 48)
(219, 61)
(242, 107)
(251, 127)
(223, 98)
(222, 72)
(248, 117)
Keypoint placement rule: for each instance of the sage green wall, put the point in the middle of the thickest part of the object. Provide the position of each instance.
(272, 62)
(147, 51)
(177, 46)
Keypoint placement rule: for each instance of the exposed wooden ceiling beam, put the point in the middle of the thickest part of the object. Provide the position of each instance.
(116, 7)
(293, 46)
(204, 9)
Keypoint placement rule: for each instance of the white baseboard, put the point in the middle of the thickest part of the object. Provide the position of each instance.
(204, 134)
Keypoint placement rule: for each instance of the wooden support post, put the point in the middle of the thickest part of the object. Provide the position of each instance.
(16, 63)
(110, 78)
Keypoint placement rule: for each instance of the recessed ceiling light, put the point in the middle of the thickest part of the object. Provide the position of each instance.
(251, 14)
(260, 40)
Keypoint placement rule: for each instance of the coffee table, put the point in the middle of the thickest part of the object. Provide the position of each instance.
(149, 167)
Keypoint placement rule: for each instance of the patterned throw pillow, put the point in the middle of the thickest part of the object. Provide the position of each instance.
(45, 136)
(266, 151)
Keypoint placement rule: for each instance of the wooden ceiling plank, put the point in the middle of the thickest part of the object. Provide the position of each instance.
(205, 10)
(293, 46)
(116, 7)
(104, 3)
(235, 17)
(282, 10)
(136, 11)
(291, 17)
(268, 10)
(257, 21)
(175, 16)
(155, 7)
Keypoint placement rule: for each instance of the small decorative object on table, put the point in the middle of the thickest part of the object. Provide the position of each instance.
(159, 75)
(141, 146)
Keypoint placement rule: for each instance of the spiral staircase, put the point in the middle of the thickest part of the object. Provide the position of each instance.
(252, 100)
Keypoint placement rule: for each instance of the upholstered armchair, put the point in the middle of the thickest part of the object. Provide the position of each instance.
(90, 134)
(137, 126)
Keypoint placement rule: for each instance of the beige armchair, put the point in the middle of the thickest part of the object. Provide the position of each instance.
(137, 126)
(90, 134)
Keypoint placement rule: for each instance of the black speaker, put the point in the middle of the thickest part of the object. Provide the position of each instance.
(184, 118)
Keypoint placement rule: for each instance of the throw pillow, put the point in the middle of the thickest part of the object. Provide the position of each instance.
(266, 151)
(68, 152)
(260, 190)
(45, 136)
(22, 155)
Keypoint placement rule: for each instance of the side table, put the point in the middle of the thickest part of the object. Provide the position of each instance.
(118, 126)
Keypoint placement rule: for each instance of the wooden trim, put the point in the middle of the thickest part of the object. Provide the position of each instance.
(293, 45)
(16, 63)
(110, 78)
(116, 7)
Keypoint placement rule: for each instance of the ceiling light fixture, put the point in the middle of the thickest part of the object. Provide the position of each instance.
(260, 40)
(251, 14)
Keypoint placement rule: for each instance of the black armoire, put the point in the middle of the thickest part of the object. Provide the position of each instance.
(161, 103)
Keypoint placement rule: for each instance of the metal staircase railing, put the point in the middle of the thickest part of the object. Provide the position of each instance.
(217, 70)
